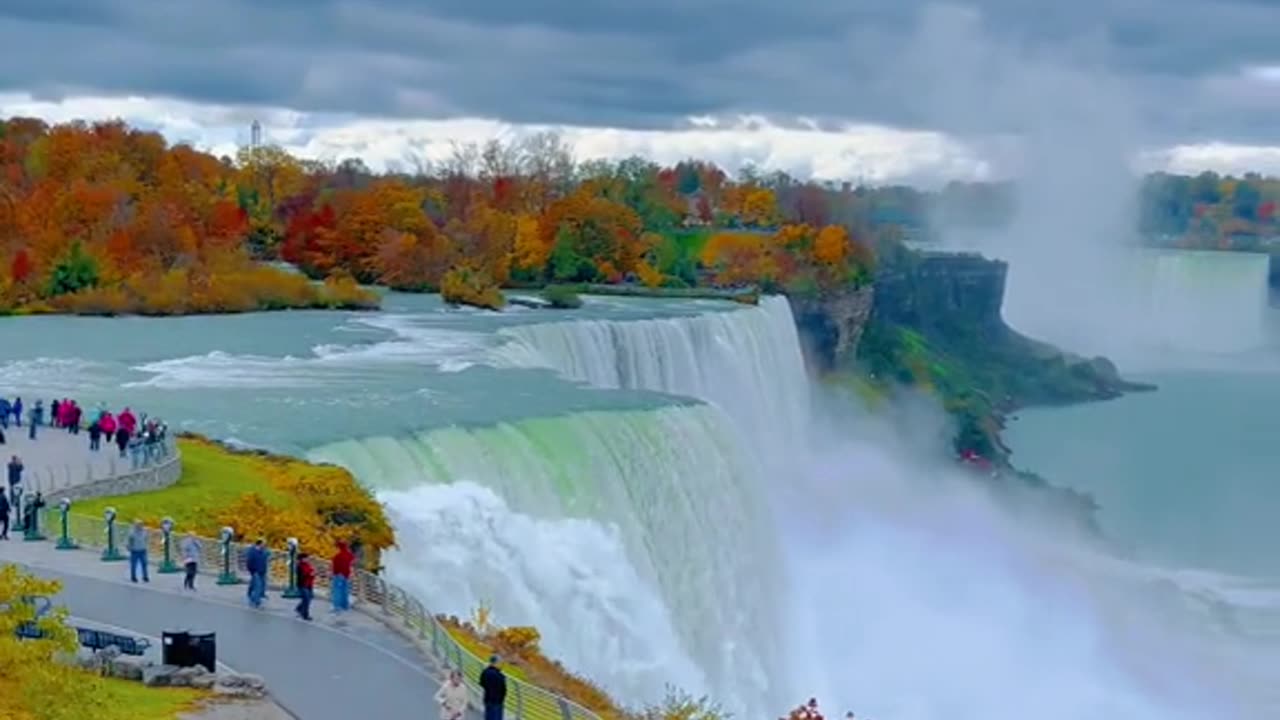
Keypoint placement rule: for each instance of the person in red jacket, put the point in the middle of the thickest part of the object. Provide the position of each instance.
(340, 590)
(306, 586)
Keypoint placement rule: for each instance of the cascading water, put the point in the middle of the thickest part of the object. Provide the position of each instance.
(1209, 302)
(746, 362)
(633, 528)
(731, 547)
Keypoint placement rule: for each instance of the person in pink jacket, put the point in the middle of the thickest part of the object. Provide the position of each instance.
(108, 423)
(127, 421)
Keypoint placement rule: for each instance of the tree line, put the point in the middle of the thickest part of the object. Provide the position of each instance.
(104, 218)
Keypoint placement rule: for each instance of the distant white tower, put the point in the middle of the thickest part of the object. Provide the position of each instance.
(255, 134)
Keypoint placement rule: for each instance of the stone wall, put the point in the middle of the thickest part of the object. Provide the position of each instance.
(154, 477)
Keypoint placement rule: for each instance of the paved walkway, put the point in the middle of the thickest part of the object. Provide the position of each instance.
(336, 668)
(58, 459)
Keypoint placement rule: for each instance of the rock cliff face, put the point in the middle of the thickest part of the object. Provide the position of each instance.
(831, 326)
(940, 293)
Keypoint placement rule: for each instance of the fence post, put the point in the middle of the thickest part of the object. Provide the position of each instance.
(457, 655)
(519, 701)
(386, 596)
(564, 708)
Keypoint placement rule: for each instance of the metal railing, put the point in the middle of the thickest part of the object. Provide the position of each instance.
(370, 593)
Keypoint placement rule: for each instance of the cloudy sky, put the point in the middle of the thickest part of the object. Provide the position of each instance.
(873, 89)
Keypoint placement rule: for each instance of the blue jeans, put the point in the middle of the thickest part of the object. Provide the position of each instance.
(304, 605)
(493, 711)
(340, 593)
(138, 559)
(257, 588)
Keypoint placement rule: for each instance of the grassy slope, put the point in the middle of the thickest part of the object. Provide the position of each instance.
(211, 478)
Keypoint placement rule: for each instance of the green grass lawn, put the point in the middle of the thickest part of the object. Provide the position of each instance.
(212, 478)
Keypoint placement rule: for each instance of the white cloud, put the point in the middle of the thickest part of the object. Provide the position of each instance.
(853, 152)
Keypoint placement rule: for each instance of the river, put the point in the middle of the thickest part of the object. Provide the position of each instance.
(651, 484)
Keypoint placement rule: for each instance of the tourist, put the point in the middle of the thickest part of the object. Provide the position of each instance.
(306, 586)
(17, 411)
(15, 473)
(4, 516)
(190, 560)
(95, 436)
(5, 411)
(128, 422)
(108, 423)
(255, 562)
(340, 588)
(453, 697)
(122, 441)
(37, 417)
(55, 413)
(137, 545)
(494, 684)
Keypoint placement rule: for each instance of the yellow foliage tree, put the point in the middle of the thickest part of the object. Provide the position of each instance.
(33, 684)
(760, 208)
(831, 246)
(531, 251)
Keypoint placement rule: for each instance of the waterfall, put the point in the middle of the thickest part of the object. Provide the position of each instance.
(747, 362)
(1209, 302)
(633, 531)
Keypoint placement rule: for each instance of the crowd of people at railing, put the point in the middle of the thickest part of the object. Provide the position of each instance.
(142, 439)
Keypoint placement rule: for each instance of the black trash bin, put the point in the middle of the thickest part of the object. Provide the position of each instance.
(204, 650)
(175, 649)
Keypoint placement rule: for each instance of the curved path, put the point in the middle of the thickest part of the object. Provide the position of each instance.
(330, 669)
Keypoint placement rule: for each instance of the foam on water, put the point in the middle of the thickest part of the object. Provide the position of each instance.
(670, 483)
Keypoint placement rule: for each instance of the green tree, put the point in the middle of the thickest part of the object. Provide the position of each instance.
(77, 271)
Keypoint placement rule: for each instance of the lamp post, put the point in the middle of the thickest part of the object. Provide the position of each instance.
(227, 576)
(64, 540)
(167, 566)
(291, 589)
(112, 553)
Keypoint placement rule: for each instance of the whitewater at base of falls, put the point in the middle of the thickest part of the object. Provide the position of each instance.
(670, 483)
(570, 578)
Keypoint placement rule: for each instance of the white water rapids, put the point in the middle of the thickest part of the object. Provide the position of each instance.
(748, 548)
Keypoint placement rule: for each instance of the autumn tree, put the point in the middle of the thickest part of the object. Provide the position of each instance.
(591, 238)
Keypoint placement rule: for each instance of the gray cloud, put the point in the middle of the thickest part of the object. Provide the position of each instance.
(1177, 63)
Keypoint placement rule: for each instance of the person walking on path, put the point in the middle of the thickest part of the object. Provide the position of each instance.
(4, 515)
(95, 436)
(340, 590)
(15, 474)
(190, 560)
(37, 418)
(453, 697)
(306, 586)
(137, 544)
(494, 684)
(255, 562)
(17, 411)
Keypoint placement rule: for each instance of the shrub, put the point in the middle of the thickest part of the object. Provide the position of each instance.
(562, 296)
(465, 286)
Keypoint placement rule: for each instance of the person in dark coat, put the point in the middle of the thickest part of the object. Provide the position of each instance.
(4, 515)
(494, 684)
